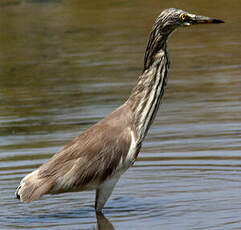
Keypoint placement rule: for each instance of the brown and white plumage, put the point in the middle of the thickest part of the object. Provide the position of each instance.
(97, 158)
(98, 153)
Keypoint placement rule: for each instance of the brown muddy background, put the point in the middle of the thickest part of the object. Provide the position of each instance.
(64, 65)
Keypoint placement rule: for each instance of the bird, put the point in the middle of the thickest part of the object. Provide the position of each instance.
(96, 159)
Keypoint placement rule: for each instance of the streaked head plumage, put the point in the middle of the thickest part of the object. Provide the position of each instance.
(171, 18)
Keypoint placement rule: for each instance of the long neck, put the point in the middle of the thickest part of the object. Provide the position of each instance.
(145, 98)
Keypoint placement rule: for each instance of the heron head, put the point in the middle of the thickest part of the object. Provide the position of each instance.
(172, 18)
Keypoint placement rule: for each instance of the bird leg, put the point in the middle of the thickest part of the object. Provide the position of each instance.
(103, 193)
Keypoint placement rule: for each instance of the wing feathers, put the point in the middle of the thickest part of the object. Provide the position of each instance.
(89, 159)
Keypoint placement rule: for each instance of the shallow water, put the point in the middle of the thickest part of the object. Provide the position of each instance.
(67, 64)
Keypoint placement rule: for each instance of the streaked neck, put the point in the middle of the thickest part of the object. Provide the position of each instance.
(146, 96)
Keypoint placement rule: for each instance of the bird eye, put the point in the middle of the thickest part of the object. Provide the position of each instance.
(184, 17)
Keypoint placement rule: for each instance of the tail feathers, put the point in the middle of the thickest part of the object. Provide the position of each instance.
(32, 188)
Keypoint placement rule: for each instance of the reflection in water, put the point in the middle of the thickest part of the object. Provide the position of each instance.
(103, 223)
(67, 64)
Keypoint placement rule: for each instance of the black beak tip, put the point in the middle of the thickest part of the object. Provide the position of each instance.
(215, 20)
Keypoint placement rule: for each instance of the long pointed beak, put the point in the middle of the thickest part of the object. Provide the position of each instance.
(197, 19)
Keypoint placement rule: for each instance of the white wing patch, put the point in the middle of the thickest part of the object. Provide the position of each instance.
(124, 164)
(132, 150)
